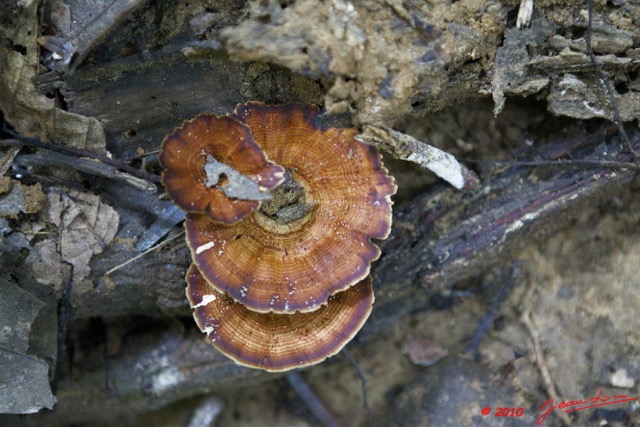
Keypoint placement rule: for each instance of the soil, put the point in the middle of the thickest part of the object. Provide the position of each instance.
(579, 285)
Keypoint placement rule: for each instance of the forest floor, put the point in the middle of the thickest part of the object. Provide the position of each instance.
(499, 297)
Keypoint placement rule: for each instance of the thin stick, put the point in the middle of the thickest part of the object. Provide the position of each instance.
(87, 166)
(486, 322)
(524, 13)
(564, 163)
(311, 400)
(5, 163)
(65, 311)
(35, 143)
(361, 377)
(26, 356)
(137, 257)
(607, 85)
(540, 361)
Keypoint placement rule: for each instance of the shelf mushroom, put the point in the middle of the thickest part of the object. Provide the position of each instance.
(313, 238)
(278, 342)
(212, 165)
(280, 217)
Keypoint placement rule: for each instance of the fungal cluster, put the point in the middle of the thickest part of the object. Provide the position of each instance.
(280, 217)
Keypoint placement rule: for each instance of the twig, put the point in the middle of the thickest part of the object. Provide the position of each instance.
(406, 147)
(485, 323)
(26, 356)
(557, 163)
(143, 155)
(77, 152)
(524, 13)
(51, 181)
(87, 166)
(361, 377)
(311, 400)
(540, 361)
(64, 317)
(607, 85)
(6, 161)
(151, 249)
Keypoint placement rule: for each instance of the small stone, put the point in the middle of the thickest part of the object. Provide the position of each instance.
(620, 378)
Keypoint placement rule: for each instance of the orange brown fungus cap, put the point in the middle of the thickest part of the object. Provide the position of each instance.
(227, 143)
(278, 342)
(296, 264)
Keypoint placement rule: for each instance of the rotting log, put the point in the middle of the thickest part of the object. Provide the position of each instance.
(440, 238)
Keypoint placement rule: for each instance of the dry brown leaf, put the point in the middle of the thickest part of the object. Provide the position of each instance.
(86, 226)
(28, 111)
(46, 263)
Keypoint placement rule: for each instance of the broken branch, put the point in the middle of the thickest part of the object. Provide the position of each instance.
(76, 152)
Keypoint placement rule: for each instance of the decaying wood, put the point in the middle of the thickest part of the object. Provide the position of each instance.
(439, 239)
(312, 401)
(104, 166)
(408, 148)
(88, 166)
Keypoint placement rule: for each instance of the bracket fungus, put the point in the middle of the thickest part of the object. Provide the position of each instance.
(294, 262)
(278, 342)
(275, 265)
(212, 165)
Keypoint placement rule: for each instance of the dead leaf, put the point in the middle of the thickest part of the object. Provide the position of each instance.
(24, 380)
(86, 225)
(28, 111)
(46, 264)
(424, 352)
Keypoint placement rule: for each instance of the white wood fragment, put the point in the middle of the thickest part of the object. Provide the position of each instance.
(441, 163)
(524, 13)
(204, 247)
(406, 147)
(205, 300)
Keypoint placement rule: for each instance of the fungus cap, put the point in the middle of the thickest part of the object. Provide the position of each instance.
(296, 266)
(278, 342)
(226, 148)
